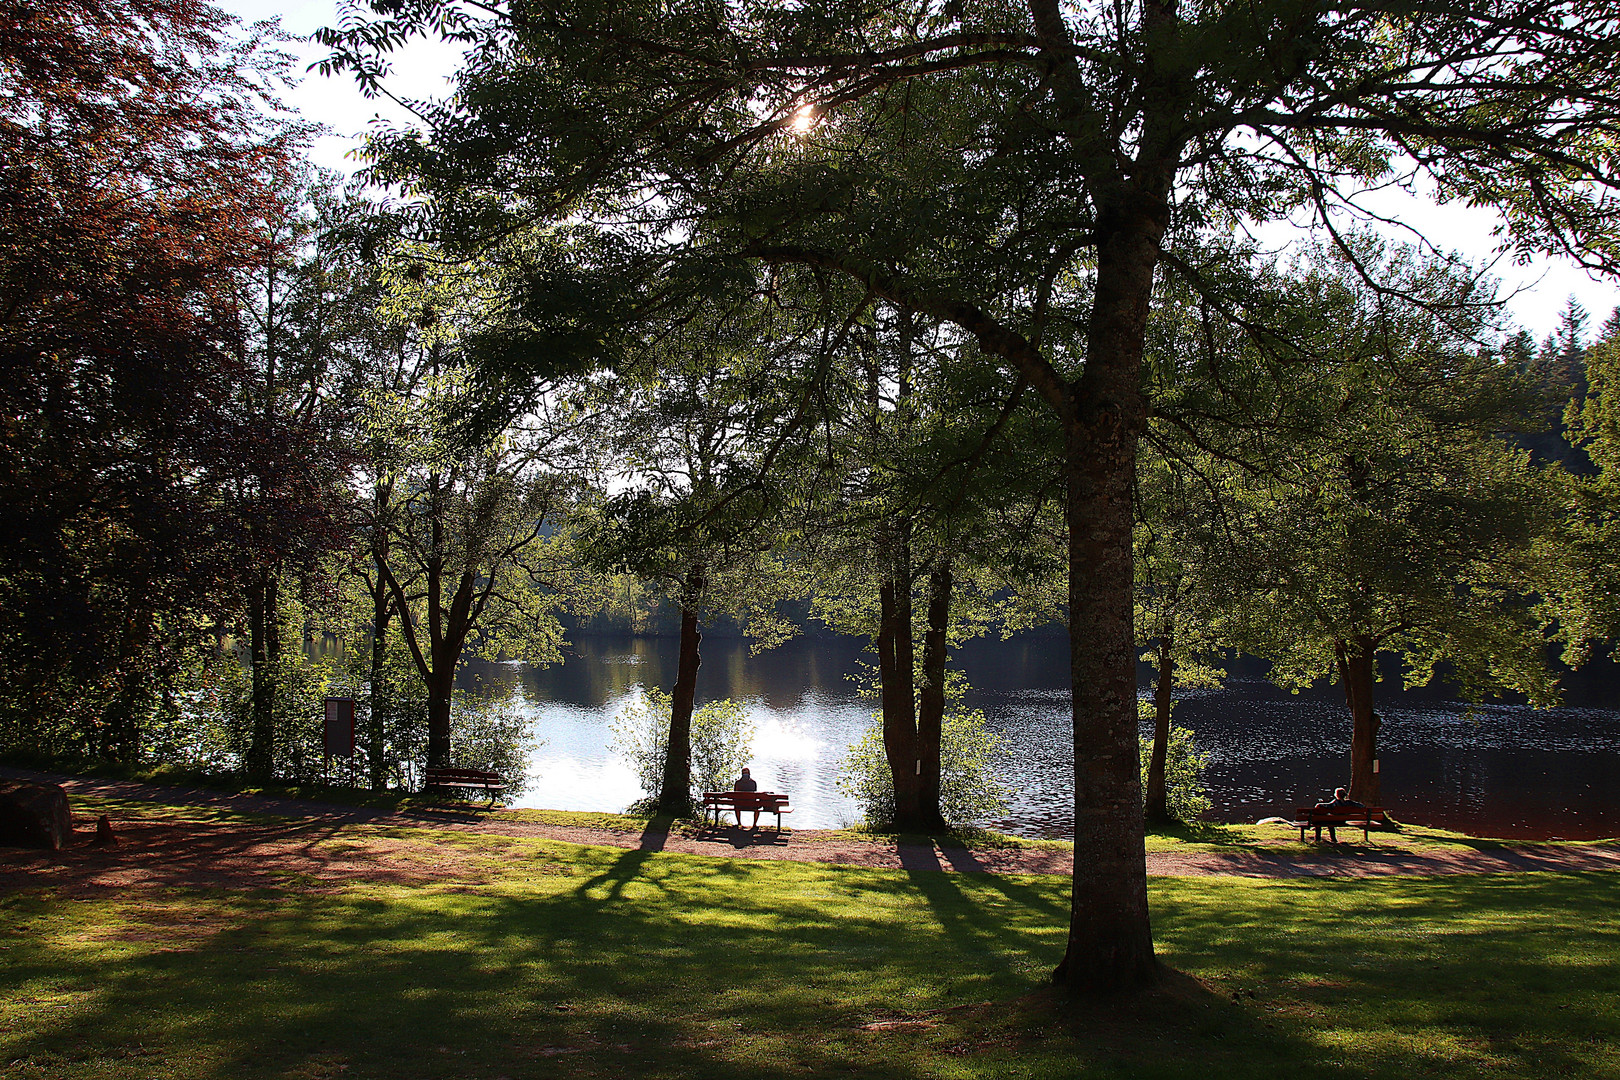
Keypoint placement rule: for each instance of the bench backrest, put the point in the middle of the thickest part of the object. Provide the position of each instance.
(1347, 813)
(745, 800)
(460, 774)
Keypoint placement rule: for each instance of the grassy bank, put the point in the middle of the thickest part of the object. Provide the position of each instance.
(537, 959)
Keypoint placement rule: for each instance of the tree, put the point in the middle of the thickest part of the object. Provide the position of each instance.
(1588, 593)
(1176, 556)
(695, 429)
(1410, 525)
(295, 349)
(1014, 170)
(930, 485)
(478, 561)
(138, 172)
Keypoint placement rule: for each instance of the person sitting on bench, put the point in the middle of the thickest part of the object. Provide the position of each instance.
(1341, 801)
(746, 782)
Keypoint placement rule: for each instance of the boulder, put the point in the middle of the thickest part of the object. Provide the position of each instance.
(34, 815)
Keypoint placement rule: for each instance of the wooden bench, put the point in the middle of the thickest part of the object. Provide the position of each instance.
(465, 778)
(1306, 817)
(764, 802)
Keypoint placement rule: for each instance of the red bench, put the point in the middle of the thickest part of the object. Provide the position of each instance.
(1366, 817)
(765, 802)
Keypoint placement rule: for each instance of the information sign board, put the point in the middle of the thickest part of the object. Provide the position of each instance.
(340, 727)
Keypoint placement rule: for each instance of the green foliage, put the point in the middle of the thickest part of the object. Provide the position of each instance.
(1185, 795)
(214, 725)
(489, 732)
(722, 741)
(969, 789)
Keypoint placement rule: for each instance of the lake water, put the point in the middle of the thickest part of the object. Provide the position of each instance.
(1497, 770)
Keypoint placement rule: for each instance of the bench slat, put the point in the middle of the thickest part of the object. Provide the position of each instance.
(467, 778)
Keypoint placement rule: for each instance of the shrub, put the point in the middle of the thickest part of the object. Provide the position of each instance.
(489, 732)
(1185, 796)
(969, 791)
(486, 730)
(722, 742)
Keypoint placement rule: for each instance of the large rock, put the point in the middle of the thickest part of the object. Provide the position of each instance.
(34, 815)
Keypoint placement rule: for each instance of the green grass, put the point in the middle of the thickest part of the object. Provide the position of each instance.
(1283, 840)
(539, 959)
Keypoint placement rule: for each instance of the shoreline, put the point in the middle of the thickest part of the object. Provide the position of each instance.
(161, 827)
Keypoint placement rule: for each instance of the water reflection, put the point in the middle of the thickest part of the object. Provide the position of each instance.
(1496, 770)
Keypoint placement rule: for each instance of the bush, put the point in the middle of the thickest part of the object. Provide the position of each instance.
(969, 792)
(722, 742)
(1185, 796)
(486, 731)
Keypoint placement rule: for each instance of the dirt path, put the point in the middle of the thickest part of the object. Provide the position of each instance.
(307, 850)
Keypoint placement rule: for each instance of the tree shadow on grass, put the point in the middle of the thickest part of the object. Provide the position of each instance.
(637, 963)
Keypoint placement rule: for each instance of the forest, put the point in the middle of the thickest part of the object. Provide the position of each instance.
(918, 321)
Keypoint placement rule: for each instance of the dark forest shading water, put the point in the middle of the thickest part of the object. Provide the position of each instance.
(1497, 770)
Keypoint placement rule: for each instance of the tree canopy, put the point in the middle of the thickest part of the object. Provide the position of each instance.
(1021, 172)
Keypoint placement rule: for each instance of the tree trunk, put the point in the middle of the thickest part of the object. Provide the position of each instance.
(381, 609)
(440, 683)
(119, 733)
(1157, 800)
(264, 649)
(1110, 945)
(675, 793)
(931, 701)
(899, 717)
(1359, 669)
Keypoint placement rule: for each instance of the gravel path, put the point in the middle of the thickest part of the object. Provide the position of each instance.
(178, 851)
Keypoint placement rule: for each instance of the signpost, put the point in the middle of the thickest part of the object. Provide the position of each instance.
(339, 734)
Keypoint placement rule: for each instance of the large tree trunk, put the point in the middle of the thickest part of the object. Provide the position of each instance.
(1110, 944)
(440, 683)
(931, 700)
(1359, 671)
(899, 706)
(264, 650)
(675, 793)
(1157, 799)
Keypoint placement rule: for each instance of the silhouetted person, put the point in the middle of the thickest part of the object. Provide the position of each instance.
(1341, 801)
(746, 782)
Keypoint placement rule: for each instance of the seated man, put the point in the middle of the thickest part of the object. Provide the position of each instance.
(746, 782)
(1341, 801)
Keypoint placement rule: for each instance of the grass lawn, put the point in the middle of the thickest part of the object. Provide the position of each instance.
(544, 959)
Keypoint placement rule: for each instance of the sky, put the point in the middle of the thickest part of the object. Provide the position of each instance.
(1539, 290)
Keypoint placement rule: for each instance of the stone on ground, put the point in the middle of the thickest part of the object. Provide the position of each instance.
(34, 815)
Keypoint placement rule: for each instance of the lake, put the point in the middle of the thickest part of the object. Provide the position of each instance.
(1494, 770)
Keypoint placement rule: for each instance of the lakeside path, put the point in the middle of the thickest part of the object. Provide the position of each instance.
(154, 848)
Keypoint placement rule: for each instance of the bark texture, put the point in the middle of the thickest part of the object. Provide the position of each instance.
(675, 793)
(931, 698)
(1359, 673)
(1110, 943)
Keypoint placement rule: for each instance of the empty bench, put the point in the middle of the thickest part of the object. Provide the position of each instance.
(466, 778)
(1319, 818)
(765, 802)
